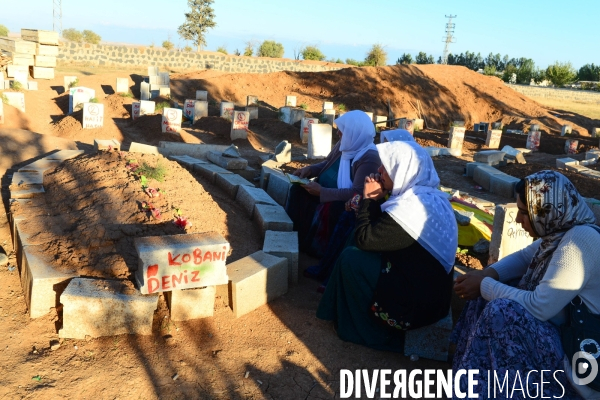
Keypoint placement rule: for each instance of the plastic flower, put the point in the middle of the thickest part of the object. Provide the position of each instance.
(182, 222)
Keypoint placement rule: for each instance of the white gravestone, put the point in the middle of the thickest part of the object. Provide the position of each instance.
(227, 109)
(202, 95)
(304, 128)
(571, 146)
(290, 101)
(93, 115)
(507, 235)
(566, 130)
(144, 91)
(239, 125)
(164, 78)
(147, 107)
(188, 109)
(319, 140)
(171, 120)
(21, 77)
(164, 92)
(493, 138)
(327, 105)
(200, 109)
(253, 110)
(16, 99)
(252, 100)
(135, 110)
(122, 85)
(408, 124)
(78, 96)
(533, 140)
(456, 138)
(152, 71)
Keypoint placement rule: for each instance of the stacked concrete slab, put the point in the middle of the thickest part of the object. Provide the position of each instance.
(36, 50)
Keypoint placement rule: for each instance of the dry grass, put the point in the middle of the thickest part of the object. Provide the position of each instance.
(590, 110)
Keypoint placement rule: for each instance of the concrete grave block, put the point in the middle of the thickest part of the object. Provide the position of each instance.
(268, 167)
(239, 125)
(191, 303)
(278, 187)
(291, 115)
(230, 183)
(533, 140)
(503, 185)
(229, 163)
(135, 147)
(144, 91)
(180, 261)
(227, 109)
(12, 68)
(577, 168)
(431, 342)
(22, 77)
(41, 166)
(42, 73)
(171, 120)
(147, 107)
(587, 163)
(283, 152)
(484, 126)
(99, 307)
(304, 128)
(79, 96)
(493, 138)
(444, 151)
(106, 145)
(152, 70)
(482, 175)
(562, 163)
(32, 85)
(571, 146)
(200, 110)
(590, 173)
(327, 105)
(432, 151)
(319, 140)
(252, 100)
(507, 235)
(187, 161)
(456, 138)
(329, 117)
(67, 81)
(189, 106)
(164, 78)
(592, 154)
(164, 92)
(210, 171)
(284, 244)
(498, 125)
(46, 50)
(514, 154)
(253, 111)
(135, 110)
(489, 157)
(122, 85)
(248, 197)
(202, 95)
(290, 101)
(26, 193)
(566, 130)
(256, 280)
(272, 218)
(471, 168)
(16, 99)
(93, 115)
(21, 180)
(197, 150)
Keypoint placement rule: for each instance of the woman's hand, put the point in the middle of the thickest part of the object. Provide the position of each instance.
(302, 172)
(373, 188)
(468, 286)
(313, 188)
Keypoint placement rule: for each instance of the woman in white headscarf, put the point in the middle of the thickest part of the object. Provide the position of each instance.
(399, 275)
(396, 135)
(316, 207)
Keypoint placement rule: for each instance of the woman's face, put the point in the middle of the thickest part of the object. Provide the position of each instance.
(523, 217)
(385, 180)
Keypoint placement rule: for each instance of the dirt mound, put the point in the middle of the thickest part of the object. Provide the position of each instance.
(446, 93)
(15, 119)
(94, 209)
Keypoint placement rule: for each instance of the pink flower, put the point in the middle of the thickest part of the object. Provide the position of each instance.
(152, 192)
(182, 222)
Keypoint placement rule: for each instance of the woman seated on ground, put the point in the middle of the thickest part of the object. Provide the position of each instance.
(342, 232)
(316, 207)
(399, 275)
(515, 329)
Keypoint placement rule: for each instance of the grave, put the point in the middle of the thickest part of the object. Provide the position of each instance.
(284, 244)
(227, 109)
(327, 105)
(493, 138)
(283, 152)
(122, 85)
(514, 154)
(164, 92)
(566, 130)
(248, 197)
(93, 115)
(329, 116)
(290, 101)
(163, 78)
(503, 185)
(42, 73)
(489, 157)
(189, 106)
(571, 146)
(456, 138)
(291, 115)
(152, 70)
(304, 128)
(210, 171)
(135, 147)
(191, 303)
(229, 163)
(252, 100)
(106, 145)
(507, 235)
(319, 140)
(278, 184)
(230, 183)
(78, 96)
(171, 120)
(147, 107)
(144, 91)
(135, 110)
(592, 154)
(180, 261)
(15, 99)
(533, 140)
(271, 218)
(202, 95)
(268, 167)
(239, 125)
(200, 110)
(256, 280)
(187, 161)
(68, 80)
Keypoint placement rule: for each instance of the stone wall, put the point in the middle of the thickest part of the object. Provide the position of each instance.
(140, 56)
(585, 96)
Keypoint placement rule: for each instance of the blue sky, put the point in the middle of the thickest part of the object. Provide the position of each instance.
(545, 31)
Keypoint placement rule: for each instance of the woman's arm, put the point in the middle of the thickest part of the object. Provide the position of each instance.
(377, 231)
(368, 164)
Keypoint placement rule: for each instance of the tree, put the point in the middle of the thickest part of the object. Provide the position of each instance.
(405, 59)
(249, 50)
(351, 61)
(73, 35)
(377, 56)
(168, 45)
(91, 37)
(312, 53)
(197, 22)
(270, 48)
(561, 73)
(423, 58)
(3, 30)
(222, 49)
(589, 72)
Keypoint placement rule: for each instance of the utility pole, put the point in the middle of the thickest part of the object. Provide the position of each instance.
(449, 38)
(57, 17)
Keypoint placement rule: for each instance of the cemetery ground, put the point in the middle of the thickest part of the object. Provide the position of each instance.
(280, 350)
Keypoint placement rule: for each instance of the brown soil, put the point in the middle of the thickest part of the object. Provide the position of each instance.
(92, 213)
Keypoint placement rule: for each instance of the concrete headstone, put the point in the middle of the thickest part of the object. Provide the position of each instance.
(227, 109)
(93, 115)
(571, 146)
(566, 130)
(21, 77)
(171, 120)
(164, 78)
(327, 105)
(304, 128)
(122, 85)
(290, 101)
(202, 95)
(283, 152)
(15, 99)
(239, 125)
(533, 140)
(147, 107)
(200, 110)
(252, 100)
(493, 138)
(456, 138)
(507, 235)
(144, 91)
(189, 106)
(253, 110)
(329, 116)
(135, 110)
(78, 96)
(319, 140)
(152, 71)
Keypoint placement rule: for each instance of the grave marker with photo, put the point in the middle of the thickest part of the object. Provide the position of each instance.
(171, 120)
(189, 106)
(227, 109)
(304, 128)
(239, 125)
(533, 140)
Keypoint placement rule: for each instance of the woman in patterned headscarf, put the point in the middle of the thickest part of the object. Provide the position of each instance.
(399, 275)
(515, 329)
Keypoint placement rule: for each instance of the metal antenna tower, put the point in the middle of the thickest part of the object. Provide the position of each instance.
(57, 17)
(448, 39)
